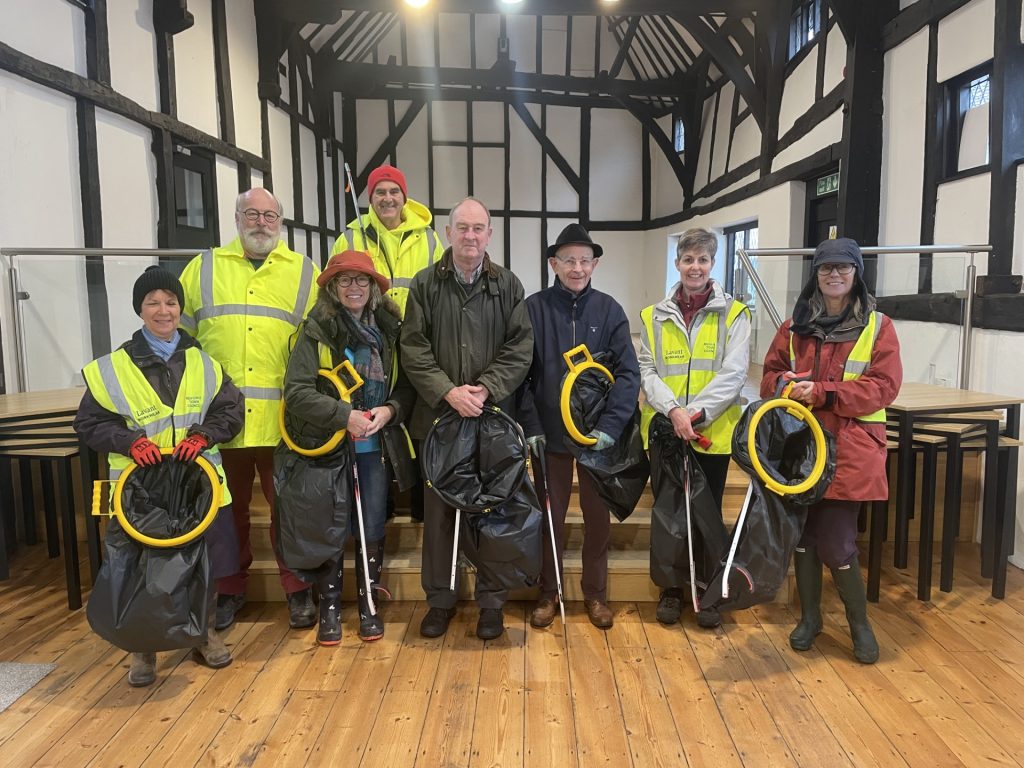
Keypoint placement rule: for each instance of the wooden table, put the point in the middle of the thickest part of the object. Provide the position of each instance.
(34, 421)
(926, 402)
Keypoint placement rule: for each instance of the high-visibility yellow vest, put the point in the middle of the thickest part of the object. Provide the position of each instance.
(119, 386)
(398, 254)
(687, 371)
(858, 361)
(243, 317)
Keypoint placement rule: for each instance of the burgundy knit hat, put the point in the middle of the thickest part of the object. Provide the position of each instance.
(387, 173)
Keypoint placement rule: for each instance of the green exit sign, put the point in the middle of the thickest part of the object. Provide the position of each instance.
(827, 184)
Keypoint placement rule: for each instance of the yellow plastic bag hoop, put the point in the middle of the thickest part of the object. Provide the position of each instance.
(575, 369)
(803, 413)
(174, 541)
(344, 393)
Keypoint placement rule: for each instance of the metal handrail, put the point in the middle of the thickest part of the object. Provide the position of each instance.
(972, 273)
(17, 295)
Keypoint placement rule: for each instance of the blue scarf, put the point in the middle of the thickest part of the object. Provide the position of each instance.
(163, 349)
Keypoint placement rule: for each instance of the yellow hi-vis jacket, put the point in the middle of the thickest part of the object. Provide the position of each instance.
(858, 361)
(400, 253)
(243, 318)
(118, 385)
(687, 364)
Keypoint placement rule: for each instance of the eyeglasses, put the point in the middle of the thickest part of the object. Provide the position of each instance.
(253, 215)
(584, 263)
(842, 269)
(346, 280)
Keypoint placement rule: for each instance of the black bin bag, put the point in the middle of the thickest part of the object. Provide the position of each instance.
(773, 524)
(479, 465)
(620, 473)
(314, 498)
(670, 556)
(146, 598)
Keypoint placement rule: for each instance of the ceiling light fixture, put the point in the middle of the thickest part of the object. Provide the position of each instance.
(416, 3)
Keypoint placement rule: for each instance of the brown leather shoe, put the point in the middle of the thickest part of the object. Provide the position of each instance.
(599, 613)
(544, 613)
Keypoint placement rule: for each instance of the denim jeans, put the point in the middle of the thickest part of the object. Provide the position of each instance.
(373, 491)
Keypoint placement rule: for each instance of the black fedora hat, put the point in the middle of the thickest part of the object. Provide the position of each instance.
(574, 234)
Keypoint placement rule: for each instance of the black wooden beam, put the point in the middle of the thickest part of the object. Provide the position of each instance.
(727, 60)
(222, 68)
(163, 149)
(728, 178)
(623, 52)
(773, 64)
(998, 312)
(365, 80)
(548, 146)
(165, 74)
(915, 18)
(92, 227)
(817, 112)
(934, 157)
(560, 7)
(97, 37)
(293, 126)
(861, 163)
(103, 96)
(273, 35)
(1006, 121)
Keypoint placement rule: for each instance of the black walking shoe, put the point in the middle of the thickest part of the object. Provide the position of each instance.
(301, 611)
(491, 624)
(670, 606)
(435, 623)
(228, 607)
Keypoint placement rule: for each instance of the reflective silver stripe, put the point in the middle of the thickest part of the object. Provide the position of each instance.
(247, 310)
(401, 282)
(723, 329)
(209, 385)
(157, 426)
(703, 364)
(205, 282)
(305, 286)
(114, 389)
(855, 368)
(261, 393)
(188, 322)
(113, 474)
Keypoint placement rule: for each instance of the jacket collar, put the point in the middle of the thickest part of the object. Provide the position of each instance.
(445, 268)
(567, 297)
(667, 307)
(139, 351)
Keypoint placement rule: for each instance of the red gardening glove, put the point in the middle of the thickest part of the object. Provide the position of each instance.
(145, 452)
(189, 448)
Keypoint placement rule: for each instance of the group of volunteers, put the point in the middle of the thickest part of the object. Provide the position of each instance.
(428, 329)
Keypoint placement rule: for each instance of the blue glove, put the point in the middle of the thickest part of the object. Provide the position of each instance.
(537, 443)
(603, 441)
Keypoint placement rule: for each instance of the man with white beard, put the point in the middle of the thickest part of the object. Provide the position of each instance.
(243, 301)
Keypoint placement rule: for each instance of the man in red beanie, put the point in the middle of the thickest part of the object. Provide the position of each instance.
(401, 240)
(401, 243)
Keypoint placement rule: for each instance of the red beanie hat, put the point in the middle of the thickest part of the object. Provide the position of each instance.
(387, 173)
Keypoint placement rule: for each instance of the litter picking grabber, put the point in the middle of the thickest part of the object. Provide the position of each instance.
(554, 545)
(368, 585)
(455, 548)
(705, 443)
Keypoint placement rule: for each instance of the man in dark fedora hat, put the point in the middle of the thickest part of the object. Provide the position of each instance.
(569, 313)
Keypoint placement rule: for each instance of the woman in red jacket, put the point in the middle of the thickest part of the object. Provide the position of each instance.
(847, 359)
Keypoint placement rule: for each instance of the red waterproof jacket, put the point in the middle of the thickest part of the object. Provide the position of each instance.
(860, 446)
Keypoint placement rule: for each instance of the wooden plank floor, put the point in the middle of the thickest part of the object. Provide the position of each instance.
(947, 690)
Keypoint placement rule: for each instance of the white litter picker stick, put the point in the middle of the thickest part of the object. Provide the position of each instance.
(554, 545)
(455, 548)
(736, 538)
(362, 538)
(689, 531)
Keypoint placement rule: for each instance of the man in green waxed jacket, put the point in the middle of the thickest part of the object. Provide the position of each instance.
(466, 340)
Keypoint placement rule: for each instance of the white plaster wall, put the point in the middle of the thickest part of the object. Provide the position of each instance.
(619, 273)
(525, 250)
(39, 140)
(489, 175)
(53, 31)
(456, 41)
(561, 195)
(412, 159)
(668, 194)
(965, 38)
(731, 188)
(582, 63)
(961, 216)
(451, 171)
(194, 71)
(828, 131)
(798, 92)
(420, 38)
(721, 149)
(309, 156)
(553, 37)
(488, 121)
(903, 123)
(835, 58)
(524, 175)
(615, 179)
(746, 142)
(281, 158)
(372, 128)
(487, 31)
(522, 41)
(563, 129)
(133, 71)
(243, 61)
(1018, 231)
(227, 193)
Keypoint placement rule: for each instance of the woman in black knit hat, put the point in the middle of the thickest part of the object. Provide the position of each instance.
(159, 390)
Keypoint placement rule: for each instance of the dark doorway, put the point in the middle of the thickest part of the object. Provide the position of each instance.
(822, 210)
